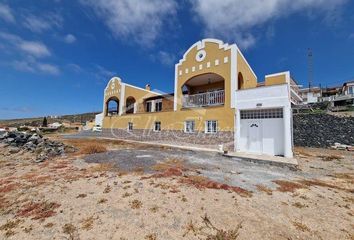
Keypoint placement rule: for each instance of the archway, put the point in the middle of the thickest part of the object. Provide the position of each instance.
(240, 82)
(130, 105)
(112, 106)
(204, 90)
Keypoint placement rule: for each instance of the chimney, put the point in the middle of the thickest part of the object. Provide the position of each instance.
(148, 87)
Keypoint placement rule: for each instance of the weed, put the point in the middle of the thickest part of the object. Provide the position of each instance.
(9, 225)
(87, 223)
(81, 195)
(93, 148)
(69, 229)
(302, 227)
(151, 236)
(126, 194)
(299, 205)
(49, 225)
(154, 209)
(102, 200)
(38, 211)
(136, 204)
(107, 189)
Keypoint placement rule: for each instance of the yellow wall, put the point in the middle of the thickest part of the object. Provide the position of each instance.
(275, 80)
(138, 94)
(174, 120)
(249, 80)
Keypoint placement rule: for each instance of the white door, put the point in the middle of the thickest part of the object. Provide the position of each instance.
(255, 136)
(261, 131)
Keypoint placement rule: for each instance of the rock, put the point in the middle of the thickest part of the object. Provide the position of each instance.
(13, 150)
(323, 130)
(10, 140)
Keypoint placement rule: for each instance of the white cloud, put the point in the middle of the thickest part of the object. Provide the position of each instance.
(33, 66)
(48, 68)
(31, 48)
(40, 24)
(69, 38)
(6, 13)
(36, 49)
(140, 21)
(234, 19)
(165, 58)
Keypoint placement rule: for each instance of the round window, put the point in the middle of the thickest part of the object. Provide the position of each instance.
(200, 55)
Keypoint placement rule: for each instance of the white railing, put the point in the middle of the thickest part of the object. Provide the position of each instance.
(204, 99)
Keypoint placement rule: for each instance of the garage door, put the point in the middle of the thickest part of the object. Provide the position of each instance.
(262, 131)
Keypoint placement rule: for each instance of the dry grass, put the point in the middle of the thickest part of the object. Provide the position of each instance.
(103, 167)
(331, 157)
(38, 211)
(263, 188)
(107, 189)
(9, 225)
(201, 182)
(69, 229)
(9, 188)
(287, 186)
(151, 236)
(301, 227)
(87, 223)
(81, 195)
(102, 200)
(136, 204)
(93, 148)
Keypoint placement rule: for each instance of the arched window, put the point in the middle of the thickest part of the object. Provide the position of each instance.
(130, 105)
(240, 82)
(112, 106)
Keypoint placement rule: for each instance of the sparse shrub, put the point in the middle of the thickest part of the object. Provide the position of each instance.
(93, 148)
(136, 204)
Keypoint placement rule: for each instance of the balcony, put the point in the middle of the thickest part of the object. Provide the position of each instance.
(214, 98)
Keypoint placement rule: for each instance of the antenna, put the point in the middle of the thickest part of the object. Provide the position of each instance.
(309, 68)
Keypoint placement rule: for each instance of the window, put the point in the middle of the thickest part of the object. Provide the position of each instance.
(211, 126)
(350, 90)
(157, 126)
(130, 126)
(158, 105)
(149, 106)
(189, 126)
(261, 114)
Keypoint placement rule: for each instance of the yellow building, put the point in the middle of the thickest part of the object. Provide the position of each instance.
(203, 109)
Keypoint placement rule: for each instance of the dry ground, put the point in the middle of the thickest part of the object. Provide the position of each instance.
(68, 198)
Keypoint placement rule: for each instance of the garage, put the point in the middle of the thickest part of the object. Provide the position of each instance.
(262, 131)
(264, 121)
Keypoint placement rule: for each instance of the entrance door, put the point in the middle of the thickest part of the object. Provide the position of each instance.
(255, 136)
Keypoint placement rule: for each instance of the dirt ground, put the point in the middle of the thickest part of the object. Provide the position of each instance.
(174, 197)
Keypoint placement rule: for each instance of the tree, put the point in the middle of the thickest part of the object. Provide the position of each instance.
(45, 123)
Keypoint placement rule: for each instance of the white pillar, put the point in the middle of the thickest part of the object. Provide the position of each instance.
(237, 130)
(288, 151)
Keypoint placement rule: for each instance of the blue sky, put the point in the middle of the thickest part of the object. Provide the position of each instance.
(57, 56)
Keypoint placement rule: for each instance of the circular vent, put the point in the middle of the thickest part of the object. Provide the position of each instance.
(200, 55)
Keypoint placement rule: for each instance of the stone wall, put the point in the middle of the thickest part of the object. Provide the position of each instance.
(322, 130)
(175, 137)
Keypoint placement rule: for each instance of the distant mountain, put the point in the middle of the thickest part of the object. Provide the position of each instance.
(81, 118)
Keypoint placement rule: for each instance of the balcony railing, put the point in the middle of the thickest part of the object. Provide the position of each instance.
(204, 99)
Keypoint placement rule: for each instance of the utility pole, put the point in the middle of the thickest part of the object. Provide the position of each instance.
(309, 68)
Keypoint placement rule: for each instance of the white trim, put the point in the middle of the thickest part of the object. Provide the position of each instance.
(186, 71)
(206, 126)
(185, 126)
(200, 66)
(129, 85)
(175, 91)
(193, 69)
(112, 79)
(208, 65)
(217, 62)
(239, 51)
(122, 97)
(233, 73)
(226, 59)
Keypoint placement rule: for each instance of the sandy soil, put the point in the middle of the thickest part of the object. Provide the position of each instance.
(68, 198)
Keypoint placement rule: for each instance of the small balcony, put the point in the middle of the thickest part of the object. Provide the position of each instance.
(214, 98)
